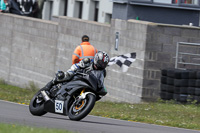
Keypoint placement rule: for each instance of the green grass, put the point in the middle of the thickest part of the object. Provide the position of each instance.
(13, 128)
(160, 113)
(16, 94)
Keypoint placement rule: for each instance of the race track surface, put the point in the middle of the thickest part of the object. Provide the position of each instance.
(16, 113)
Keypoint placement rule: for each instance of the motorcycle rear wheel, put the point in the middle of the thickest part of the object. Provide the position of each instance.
(37, 108)
(78, 112)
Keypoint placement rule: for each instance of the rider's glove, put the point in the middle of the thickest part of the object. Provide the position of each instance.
(86, 62)
(82, 64)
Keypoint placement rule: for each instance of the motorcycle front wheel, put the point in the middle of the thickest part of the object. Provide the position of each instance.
(36, 106)
(80, 109)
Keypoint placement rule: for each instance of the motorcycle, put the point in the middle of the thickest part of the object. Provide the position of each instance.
(75, 98)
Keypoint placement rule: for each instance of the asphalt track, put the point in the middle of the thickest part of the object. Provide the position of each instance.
(17, 113)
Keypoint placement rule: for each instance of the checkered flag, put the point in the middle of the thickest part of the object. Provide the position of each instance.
(123, 61)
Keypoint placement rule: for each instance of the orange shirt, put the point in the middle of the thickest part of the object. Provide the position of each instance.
(85, 50)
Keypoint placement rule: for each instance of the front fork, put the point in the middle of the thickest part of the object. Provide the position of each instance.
(79, 101)
(82, 91)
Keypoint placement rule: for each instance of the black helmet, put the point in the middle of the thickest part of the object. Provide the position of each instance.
(101, 59)
(85, 38)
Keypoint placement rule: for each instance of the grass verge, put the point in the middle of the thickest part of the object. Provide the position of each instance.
(161, 113)
(13, 128)
(16, 94)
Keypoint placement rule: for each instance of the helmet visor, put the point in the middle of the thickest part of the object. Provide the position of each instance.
(101, 64)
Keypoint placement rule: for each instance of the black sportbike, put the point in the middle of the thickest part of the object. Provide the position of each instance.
(74, 98)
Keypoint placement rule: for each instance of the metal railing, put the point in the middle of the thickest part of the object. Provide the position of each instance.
(179, 58)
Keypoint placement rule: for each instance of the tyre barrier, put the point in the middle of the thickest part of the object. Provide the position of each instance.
(180, 85)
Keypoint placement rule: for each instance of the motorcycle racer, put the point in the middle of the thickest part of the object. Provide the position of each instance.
(99, 62)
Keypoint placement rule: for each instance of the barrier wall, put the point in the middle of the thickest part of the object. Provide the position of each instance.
(33, 50)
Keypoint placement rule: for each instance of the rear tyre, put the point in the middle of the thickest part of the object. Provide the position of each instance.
(78, 111)
(36, 106)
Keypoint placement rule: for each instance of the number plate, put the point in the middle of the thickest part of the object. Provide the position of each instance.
(59, 106)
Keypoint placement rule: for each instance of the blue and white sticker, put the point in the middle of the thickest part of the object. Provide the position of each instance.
(59, 106)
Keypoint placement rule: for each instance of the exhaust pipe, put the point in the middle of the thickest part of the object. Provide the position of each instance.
(45, 96)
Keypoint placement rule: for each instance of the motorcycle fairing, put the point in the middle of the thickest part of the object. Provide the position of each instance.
(73, 85)
(93, 81)
(49, 106)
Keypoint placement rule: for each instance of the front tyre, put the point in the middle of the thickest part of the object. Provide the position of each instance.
(78, 111)
(36, 106)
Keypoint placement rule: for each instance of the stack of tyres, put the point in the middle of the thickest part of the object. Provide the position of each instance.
(180, 85)
(166, 86)
(197, 87)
